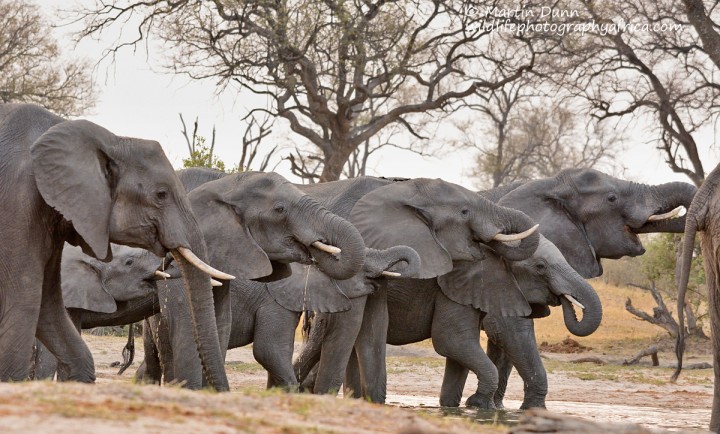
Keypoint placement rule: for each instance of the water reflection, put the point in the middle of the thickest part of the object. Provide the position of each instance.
(685, 420)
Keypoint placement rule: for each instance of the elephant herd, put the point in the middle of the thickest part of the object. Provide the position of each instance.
(100, 230)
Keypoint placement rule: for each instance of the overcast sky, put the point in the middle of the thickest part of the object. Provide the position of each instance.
(136, 99)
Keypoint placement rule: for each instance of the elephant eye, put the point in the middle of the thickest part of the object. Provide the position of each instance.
(540, 266)
(465, 212)
(161, 195)
(128, 262)
(612, 198)
(279, 208)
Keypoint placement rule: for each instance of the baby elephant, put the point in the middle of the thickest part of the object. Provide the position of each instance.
(267, 314)
(89, 285)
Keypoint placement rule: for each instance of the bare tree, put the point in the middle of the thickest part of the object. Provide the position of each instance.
(324, 63)
(653, 60)
(522, 134)
(31, 67)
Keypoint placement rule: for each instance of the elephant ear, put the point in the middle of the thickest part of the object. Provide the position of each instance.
(395, 215)
(487, 285)
(74, 175)
(279, 271)
(564, 229)
(81, 284)
(309, 289)
(230, 244)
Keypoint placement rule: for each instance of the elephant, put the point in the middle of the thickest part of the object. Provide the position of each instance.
(588, 215)
(424, 311)
(72, 180)
(259, 223)
(267, 314)
(401, 212)
(703, 216)
(89, 285)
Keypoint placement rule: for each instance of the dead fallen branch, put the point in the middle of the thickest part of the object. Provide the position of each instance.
(651, 351)
(542, 421)
(596, 360)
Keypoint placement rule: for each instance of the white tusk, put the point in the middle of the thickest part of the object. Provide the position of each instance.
(214, 282)
(162, 274)
(200, 265)
(668, 215)
(575, 302)
(326, 248)
(391, 274)
(515, 237)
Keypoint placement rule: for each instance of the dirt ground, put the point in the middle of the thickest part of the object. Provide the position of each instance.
(605, 392)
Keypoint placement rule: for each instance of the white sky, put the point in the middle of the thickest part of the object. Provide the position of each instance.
(137, 100)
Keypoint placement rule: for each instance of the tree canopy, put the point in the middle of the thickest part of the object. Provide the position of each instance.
(32, 68)
(337, 71)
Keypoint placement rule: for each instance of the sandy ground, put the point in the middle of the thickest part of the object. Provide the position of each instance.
(602, 393)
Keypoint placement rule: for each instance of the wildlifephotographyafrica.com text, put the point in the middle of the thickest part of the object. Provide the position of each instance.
(551, 20)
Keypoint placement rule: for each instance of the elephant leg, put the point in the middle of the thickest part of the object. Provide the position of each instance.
(504, 367)
(186, 368)
(149, 370)
(340, 336)
(453, 383)
(352, 387)
(309, 356)
(714, 308)
(44, 363)
(21, 294)
(456, 335)
(57, 332)
(515, 336)
(273, 344)
(370, 348)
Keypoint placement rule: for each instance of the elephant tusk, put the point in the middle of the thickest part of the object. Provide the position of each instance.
(391, 274)
(515, 237)
(326, 248)
(668, 215)
(162, 274)
(574, 301)
(200, 265)
(214, 282)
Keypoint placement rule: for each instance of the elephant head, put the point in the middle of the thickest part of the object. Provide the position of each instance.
(442, 222)
(589, 215)
(258, 223)
(312, 290)
(123, 190)
(97, 286)
(546, 279)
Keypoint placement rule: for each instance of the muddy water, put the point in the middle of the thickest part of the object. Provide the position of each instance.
(686, 420)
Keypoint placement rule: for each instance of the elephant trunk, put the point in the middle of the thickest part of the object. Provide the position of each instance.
(326, 227)
(509, 221)
(592, 312)
(575, 291)
(403, 260)
(670, 195)
(694, 221)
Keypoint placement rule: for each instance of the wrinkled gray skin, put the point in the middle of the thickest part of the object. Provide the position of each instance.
(426, 310)
(75, 181)
(586, 214)
(704, 215)
(259, 224)
(442, 223)
(90, 285)
(267, 314)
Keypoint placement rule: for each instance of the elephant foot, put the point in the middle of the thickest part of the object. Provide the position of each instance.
(477, 401)
(449, 402)
(499, 404)
(536, 403)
